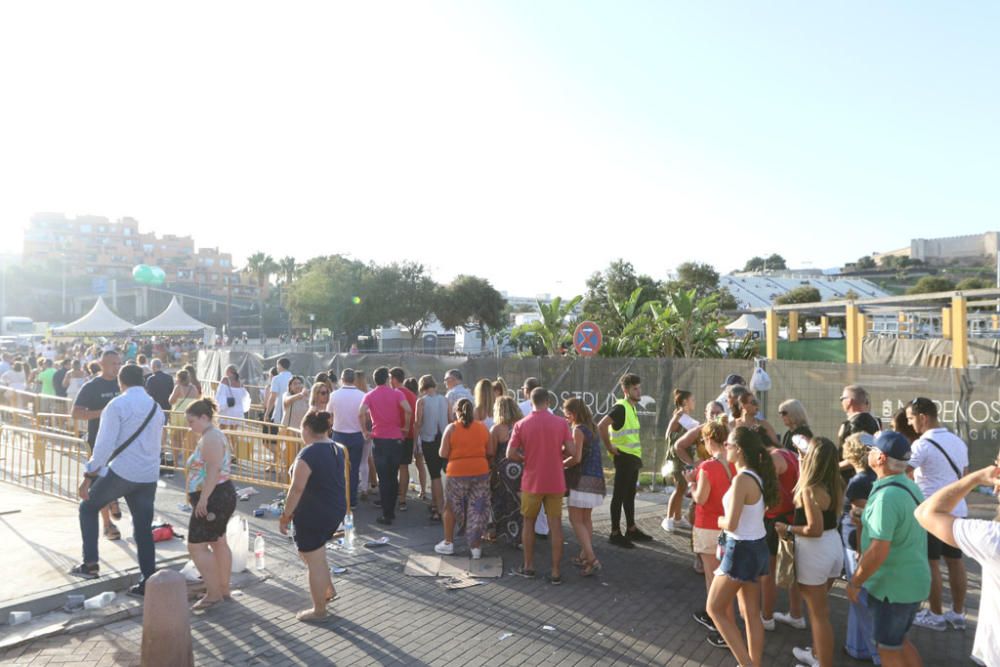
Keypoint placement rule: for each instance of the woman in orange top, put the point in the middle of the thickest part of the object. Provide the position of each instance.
(466, 446)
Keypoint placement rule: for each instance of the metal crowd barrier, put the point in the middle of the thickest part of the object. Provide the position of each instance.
(42, 461)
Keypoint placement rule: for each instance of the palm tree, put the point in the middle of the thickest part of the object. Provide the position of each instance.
(287, 269)
(261, 266)
(554, 326)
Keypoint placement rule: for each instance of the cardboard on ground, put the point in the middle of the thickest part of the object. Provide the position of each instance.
(453, 566)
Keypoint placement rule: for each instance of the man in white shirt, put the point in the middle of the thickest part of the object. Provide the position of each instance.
(528, 387)
(344, 405)
(981, 540)
(939, 458)
(456, 391)
(732, 380)
(279, 387)
(132, 474)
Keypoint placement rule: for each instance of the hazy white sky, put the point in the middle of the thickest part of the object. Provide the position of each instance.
(530, 143)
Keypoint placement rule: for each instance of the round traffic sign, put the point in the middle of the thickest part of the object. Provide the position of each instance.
(587, 339)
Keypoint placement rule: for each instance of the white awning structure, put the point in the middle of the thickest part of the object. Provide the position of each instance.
(174, 321)
(746, 322)
(100, 321)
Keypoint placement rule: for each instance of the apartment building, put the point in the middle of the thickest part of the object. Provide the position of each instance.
(95, 247)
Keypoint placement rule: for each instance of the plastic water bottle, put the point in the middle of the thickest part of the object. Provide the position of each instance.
(349, 532)
(258, 552)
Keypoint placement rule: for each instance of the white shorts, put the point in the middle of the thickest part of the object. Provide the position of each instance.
(705, 540)
(818, 559)
(584, 500)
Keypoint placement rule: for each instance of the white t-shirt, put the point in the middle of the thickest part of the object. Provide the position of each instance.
(932, 471)
(723, 400)
(279, 387)
(981, 540)
(344, 404)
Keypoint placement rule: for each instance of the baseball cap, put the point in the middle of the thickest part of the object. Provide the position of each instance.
(733, 379)
(893, 444)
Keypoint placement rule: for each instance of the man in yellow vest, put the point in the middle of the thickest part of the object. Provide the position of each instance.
(620, 434)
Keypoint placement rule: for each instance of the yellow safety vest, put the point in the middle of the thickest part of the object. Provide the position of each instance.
(627, 439)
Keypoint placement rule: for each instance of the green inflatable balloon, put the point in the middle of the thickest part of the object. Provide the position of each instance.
(148, 275)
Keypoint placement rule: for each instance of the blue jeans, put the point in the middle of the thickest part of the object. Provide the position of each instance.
(745, 560)
(355, 444)
(387, 454)
(140, 498)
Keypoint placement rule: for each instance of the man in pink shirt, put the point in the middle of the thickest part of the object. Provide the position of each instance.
(544, 443)
(390, 415)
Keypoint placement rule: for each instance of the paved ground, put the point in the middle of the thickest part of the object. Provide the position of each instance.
(638, 612)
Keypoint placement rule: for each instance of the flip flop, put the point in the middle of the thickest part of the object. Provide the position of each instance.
(112, 533)
(115, 509)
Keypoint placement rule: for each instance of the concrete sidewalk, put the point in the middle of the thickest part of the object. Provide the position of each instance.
(637, 612)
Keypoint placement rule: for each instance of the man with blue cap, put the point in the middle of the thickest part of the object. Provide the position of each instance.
(893, 567)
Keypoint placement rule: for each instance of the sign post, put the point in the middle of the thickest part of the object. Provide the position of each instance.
(587, 339)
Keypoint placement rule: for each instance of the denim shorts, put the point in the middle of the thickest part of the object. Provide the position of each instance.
(891, 621)
(744, 560)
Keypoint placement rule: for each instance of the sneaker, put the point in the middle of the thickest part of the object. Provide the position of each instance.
(797, 622)
(477, 553)
(385, 521)
(928, 619)
(768, 623)
(682, 523)
(716, 640)
(138, 591)
(637, 535)
(444, 547)
(668, 525)
(554, 579)
(704, 620)
(955, 619)
(805, 656)
(620, 540)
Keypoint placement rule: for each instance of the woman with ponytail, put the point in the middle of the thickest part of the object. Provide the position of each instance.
(466, 446)
(743, 545)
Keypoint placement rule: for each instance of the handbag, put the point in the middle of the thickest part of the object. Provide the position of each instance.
(784, 575)
(230, 400)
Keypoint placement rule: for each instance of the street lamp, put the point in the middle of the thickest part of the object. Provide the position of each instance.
(312, 318)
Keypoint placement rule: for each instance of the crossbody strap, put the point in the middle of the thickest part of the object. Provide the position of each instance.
(898, 485)
(954, 468)
(122, 447)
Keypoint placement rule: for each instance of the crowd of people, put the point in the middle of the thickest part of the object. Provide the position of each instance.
(880, 507)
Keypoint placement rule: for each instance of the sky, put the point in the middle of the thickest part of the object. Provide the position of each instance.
(529, 143)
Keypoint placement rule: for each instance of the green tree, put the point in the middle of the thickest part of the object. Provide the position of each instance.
(929, 284)
(974, 283)
(773, 262)
(864, 263)
(553, 329)
(614, 286)
(261, 265)
(472, 303)
(704, 280)
(804, 294)
(683, 325)
(404, 293)
(332, 288)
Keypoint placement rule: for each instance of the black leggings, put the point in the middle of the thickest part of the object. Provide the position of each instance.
(627, 469)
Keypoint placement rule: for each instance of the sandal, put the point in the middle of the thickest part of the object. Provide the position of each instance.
(435, 517)
(579, 561)
(205, 605)
(402, 506)
(592, 568)
(520, 571)
(115, 509)
(112, 533)
(309, 616)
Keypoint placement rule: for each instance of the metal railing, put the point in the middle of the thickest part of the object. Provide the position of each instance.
(42, 461)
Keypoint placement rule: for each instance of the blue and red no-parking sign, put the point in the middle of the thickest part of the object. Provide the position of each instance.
(587, 339)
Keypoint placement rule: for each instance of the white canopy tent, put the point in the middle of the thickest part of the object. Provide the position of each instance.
(100, 321)
(174, 321)
(748, 322)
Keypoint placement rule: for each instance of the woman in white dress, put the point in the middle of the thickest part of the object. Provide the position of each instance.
(232, 398)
